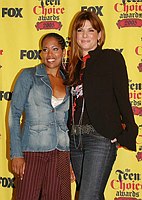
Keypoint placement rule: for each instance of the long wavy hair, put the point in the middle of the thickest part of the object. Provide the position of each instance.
(75, 52)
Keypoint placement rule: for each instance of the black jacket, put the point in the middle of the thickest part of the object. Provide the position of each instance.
(106, 95)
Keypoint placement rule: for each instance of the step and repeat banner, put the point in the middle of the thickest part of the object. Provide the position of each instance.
(22, 23)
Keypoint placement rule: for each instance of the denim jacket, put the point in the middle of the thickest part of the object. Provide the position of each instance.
(44, 128)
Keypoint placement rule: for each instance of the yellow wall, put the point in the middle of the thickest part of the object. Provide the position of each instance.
(22, 23)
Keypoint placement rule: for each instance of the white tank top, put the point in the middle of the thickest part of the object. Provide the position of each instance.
(56, 101)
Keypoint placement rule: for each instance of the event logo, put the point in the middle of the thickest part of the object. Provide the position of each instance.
(5, 95)
(96, 9)
(139, 67)
(12, 12)
(1, 52)
(127, 184)
(49, 2)
(68, 45)
(138, 51)
(30, 54)
(49, 13)
(7, 182)
(130, 13)
(135, 96)
(139, 142)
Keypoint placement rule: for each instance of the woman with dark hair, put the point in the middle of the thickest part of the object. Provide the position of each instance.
(40, 148)
(100, 104)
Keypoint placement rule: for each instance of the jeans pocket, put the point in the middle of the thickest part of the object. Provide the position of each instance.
(98, 135)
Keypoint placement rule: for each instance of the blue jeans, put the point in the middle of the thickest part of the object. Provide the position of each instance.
(92, 159)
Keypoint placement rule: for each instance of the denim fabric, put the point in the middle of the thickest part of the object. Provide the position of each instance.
(44, 127)
(92, 162)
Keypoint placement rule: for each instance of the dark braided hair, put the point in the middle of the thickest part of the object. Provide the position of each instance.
(56, 36)
(60, 40)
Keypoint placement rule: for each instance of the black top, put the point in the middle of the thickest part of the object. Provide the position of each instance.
(78, 103)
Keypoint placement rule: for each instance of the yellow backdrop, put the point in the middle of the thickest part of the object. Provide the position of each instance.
(22, 23)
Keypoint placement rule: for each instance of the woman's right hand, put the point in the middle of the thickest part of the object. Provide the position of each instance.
(72, 174)
(18, 166)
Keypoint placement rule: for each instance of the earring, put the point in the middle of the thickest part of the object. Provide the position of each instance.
(64, 63)
(98, 42)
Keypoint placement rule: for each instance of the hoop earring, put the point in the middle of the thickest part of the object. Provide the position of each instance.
(64, 63)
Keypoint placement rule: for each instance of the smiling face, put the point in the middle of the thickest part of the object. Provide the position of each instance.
(87, 37)
(52, 53)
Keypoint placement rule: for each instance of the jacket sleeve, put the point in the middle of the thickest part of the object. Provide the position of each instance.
(18, 101)
(127, 137)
